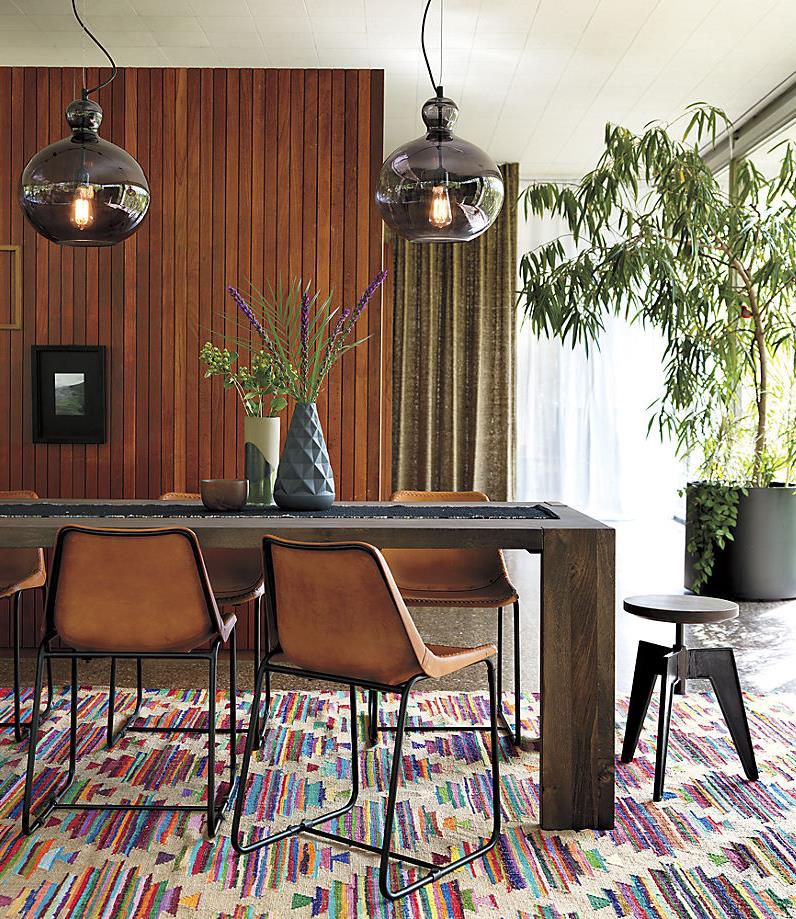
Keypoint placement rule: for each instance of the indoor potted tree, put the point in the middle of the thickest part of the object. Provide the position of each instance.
(658, 241)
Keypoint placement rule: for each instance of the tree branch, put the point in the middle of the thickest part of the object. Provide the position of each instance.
(761, 396)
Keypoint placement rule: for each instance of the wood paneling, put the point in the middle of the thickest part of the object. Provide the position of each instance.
(256, 175)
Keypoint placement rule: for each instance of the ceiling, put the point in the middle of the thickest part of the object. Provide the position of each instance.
(535, 80)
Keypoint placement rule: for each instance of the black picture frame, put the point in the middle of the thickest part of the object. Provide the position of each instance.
(68, 394)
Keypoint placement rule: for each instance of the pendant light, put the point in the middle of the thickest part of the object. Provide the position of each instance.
(83, 190)
(439, 188)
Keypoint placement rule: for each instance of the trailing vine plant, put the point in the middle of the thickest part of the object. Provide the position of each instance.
(711, 519)
(658, 241)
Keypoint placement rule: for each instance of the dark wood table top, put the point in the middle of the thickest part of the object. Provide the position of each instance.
(23, 530)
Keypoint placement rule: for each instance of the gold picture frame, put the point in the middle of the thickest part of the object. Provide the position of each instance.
(16, 324)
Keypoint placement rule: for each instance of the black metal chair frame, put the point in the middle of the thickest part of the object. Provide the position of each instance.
(514, 733)
(21, 727)
(215, 808)
(312, 825)
(676, 665)
(111, 737)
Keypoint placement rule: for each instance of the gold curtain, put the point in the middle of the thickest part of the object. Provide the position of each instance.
(453, 359)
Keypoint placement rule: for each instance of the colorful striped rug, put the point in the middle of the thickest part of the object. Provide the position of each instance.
(716, 846)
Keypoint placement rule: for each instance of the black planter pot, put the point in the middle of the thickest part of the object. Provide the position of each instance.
(760, 562)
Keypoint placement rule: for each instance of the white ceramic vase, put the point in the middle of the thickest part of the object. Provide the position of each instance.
(261, 457)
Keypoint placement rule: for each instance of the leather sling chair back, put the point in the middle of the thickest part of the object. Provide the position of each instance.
(236, 576)
(131, 593)
(458, 579)
(339, 618)
(21, 570)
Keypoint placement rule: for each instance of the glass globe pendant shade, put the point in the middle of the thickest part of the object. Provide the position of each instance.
(83, 190)
(439, 188)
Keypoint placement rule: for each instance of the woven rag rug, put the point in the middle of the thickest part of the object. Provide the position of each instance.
(716, 846)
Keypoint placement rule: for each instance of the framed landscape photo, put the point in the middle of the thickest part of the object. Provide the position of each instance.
(68, 394)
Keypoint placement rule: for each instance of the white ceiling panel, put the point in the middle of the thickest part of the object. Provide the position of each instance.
(159, 8)
(143, 57)
(196, 39)
(535, 80)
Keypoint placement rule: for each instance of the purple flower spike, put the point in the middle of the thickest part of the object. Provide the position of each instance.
(305, 335)
(348, 319)
(248, 312)
(371, 289)
(305, 320)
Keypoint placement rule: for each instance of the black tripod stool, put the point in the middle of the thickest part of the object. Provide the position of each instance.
(678, 664)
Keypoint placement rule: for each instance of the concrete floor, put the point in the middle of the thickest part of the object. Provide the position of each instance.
(649, 560)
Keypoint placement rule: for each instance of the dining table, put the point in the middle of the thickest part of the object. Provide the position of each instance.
(577, 602)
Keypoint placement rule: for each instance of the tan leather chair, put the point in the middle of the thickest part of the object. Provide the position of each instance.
(339, 617)
(236, 576)
(21, 570)
(461, 579)
(132, 593)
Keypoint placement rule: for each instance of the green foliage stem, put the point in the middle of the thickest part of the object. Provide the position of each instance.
(261, 386)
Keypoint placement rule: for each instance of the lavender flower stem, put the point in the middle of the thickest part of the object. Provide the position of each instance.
(248, 312)
(305, 338)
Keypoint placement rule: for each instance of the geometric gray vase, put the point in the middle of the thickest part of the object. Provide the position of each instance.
(304, 480)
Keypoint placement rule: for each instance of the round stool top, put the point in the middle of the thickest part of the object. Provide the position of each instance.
(681, 608)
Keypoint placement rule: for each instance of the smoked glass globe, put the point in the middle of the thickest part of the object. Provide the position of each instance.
(83, 190)
(439, 188)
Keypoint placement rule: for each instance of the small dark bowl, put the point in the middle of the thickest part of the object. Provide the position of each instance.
(224, 494)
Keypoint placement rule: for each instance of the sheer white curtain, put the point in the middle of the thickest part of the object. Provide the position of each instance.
(582, 422)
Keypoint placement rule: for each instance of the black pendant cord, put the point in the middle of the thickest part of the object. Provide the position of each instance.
(87, 92)
(437, 85)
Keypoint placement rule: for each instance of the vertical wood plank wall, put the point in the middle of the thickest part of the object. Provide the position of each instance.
(255, 175)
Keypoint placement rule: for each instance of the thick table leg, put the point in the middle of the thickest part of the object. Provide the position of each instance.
(578, 612)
